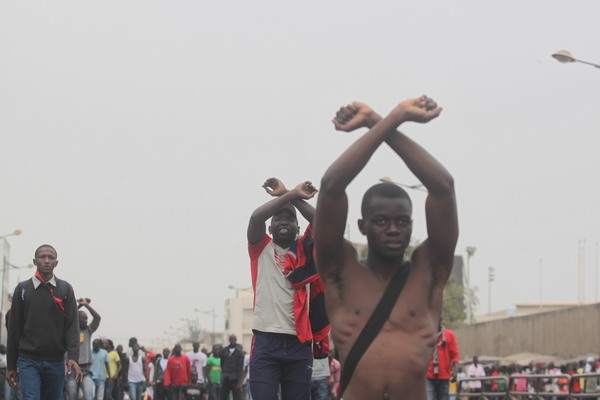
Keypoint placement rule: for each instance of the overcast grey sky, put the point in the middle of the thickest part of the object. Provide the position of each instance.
(135, 136)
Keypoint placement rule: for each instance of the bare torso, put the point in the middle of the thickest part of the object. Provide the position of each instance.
(395, 365)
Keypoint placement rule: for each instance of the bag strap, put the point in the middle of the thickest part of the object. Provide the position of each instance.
(63, 289)
(374, 324)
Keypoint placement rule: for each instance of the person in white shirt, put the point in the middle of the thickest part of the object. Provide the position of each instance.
(475, 370)
(198, 360)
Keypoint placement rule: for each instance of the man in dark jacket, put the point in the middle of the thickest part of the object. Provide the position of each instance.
(43, 326)
(232, 367)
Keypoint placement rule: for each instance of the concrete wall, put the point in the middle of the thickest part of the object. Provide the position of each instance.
(565, 333)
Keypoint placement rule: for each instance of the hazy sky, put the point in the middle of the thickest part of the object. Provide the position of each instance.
(135, 136)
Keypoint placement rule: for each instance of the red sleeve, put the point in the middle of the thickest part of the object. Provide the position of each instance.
(453, 347)
(188, 367)
(255, 249)
(167, 381)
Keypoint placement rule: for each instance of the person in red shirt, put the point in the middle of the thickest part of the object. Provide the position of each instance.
(442, 366)
(177, 372)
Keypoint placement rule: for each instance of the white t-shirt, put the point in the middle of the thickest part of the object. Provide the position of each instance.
(198, 361)
(247, 366)
(321, 368)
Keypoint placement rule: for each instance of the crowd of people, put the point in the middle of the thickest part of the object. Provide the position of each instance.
(171, 374)
(561, 385)
(394, 318)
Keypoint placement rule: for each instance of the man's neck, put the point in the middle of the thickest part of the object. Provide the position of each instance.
(384, 267)
(45, 276)
(283, 244)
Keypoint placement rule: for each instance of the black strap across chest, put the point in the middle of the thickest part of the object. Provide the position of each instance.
(374, 324)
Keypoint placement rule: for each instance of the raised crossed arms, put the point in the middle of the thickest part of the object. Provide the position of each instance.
(275, 187)
(332, 205)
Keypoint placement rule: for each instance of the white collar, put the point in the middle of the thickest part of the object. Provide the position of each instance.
(37, 282)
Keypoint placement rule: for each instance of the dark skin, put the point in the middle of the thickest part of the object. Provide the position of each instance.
(96, 347)
(83, 318)
(396, 364)
(283, 227)
(215, 353)
(45, 260)
(194, 383)
(110, 348)
(135, 356)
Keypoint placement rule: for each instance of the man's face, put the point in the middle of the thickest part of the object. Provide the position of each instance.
(96, 345)
(284, 227)
(45, 260)
(232, 340)
(83, 319)
(196, 346)
(388, 225)
(216, 350)
(166, 352)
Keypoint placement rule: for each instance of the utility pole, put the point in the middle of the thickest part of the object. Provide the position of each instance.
(491, 276)
(469, 294)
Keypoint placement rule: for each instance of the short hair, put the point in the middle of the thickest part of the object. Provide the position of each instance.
(383, 189)
(43, 247)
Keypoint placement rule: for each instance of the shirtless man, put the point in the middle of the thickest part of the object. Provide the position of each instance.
(396, 363)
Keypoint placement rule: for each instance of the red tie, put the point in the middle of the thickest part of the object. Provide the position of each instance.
(51, 289)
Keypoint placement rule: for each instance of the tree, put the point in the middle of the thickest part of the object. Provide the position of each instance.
(453, 308)
(193, 331)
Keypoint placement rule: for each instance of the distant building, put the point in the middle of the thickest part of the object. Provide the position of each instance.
(239, 315)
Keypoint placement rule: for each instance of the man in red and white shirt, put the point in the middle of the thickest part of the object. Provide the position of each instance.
(281, 347)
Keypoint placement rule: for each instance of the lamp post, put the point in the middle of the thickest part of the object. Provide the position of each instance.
(13, 266)
(214, 316)
(6, 266)
(565, 57)
(470, 252)
(17, 232)
(491, 276)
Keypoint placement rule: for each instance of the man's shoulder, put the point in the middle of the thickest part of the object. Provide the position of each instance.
(449, 333)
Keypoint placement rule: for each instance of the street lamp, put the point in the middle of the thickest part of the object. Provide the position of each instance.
(17, 232)
(418, 186)
(470, 252)
(13, 266)
(214, 316)
(565, 57)
(491, 276)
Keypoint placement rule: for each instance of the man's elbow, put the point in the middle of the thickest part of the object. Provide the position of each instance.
(445, 186)
(331, 185)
